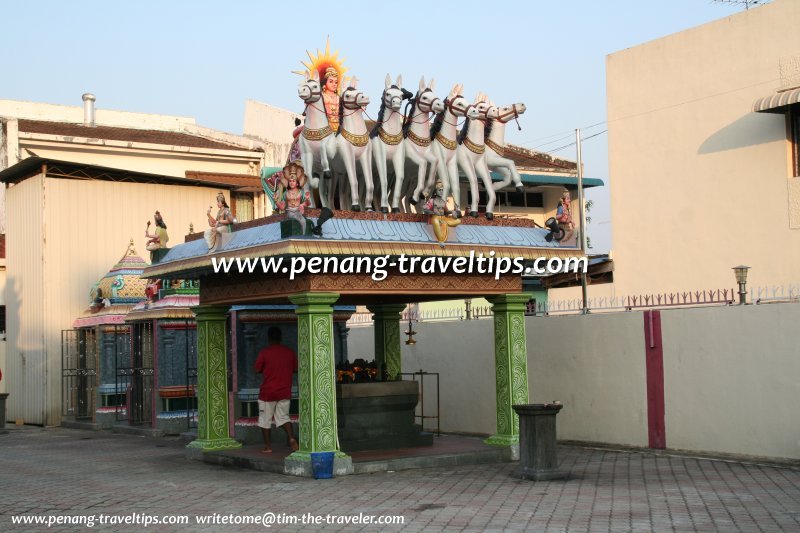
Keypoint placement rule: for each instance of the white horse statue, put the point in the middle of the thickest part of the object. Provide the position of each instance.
(387, 138)
(417, 142)
(471, 155)
(443, 136)
(351, 143)
(495, 140)
(315, 137)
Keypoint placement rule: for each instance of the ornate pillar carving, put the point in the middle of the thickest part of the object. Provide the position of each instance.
(213, 429)
(316, 380)
(511, 366)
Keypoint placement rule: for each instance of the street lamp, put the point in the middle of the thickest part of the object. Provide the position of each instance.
(741, 279)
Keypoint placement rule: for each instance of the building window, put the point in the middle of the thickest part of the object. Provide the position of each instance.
(510, 199)
(242, 206)
(794, 137)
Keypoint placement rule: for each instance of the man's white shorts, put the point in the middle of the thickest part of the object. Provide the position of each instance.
(266, 410)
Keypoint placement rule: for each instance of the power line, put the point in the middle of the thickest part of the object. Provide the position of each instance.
(573, 143)
(563, 134)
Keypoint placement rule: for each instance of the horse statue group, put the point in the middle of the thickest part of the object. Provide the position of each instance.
(404, 141)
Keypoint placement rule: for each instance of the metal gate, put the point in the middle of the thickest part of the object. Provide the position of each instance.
(191, 373)
(134, 372)
(78, 373)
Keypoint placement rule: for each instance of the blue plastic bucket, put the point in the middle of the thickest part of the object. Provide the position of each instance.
(322, 465)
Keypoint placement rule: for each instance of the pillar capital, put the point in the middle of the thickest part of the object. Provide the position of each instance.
(390, 311)
(510, 302)
(211, 312)
(314, 302)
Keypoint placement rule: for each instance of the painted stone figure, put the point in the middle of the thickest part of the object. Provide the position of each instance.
(330, 96)
(221, 224)
(294, 200)
(564, 218)
(159, 238)
(436, 207)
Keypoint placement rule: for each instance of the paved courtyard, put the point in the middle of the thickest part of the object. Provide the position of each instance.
(59, 472)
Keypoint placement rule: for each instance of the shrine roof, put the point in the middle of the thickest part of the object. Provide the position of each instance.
(172, 306)
(370, 234)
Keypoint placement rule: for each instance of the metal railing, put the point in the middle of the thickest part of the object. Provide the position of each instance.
(664, 300)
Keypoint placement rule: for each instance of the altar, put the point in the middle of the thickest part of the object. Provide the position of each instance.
(378, 416)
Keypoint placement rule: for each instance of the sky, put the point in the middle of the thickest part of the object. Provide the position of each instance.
(205, 59)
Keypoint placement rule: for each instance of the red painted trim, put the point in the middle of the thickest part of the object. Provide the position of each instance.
(654, 358)
(179, 327)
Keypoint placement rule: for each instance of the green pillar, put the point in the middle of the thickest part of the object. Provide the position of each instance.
(387, 337)
(511, 366)
(212, 380)
(316, 375)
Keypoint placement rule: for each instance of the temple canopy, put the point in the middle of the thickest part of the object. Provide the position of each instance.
(358, 236)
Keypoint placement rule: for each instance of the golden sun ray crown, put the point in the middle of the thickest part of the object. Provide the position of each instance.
(321, 61)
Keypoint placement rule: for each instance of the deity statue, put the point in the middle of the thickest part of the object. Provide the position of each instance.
(158, 239)
(221, 224)
(294, 201)
(436, 207)
(330, 96)
(564, 218)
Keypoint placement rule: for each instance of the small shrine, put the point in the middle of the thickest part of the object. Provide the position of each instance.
(164, 335)
(343, 236)
(99, 344)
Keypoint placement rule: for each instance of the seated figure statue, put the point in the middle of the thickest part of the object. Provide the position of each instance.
(221, 224)
(436, 207)
(294, 200)
(158, 239)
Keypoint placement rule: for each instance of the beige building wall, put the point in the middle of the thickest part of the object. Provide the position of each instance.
(699, 183)
(26, 370)
(272, 125)
(63, 236)
(3, 333)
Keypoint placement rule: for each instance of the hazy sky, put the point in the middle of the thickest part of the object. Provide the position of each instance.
(204, 59)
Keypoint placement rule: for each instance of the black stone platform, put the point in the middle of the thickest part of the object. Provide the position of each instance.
(378, 416)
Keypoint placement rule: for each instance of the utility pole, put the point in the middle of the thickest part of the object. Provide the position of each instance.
(582, 204)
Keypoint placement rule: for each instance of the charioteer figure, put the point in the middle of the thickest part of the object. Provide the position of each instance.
(436, 207)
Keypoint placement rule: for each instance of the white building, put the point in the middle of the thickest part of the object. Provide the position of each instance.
(701, 181)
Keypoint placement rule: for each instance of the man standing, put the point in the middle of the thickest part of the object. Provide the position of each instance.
(277, 363)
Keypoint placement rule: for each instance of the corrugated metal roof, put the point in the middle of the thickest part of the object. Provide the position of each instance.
(777, 102)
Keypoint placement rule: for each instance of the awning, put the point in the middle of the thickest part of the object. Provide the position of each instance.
(777, 102)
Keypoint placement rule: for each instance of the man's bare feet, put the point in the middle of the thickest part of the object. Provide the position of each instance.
(266, 450)
(293, 445)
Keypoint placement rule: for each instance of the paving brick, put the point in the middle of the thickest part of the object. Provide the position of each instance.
(76, 472)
